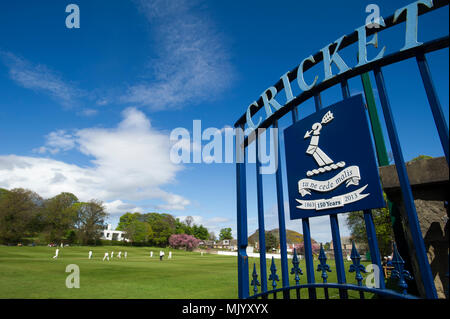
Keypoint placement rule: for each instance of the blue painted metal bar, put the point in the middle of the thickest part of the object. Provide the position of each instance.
(408, 199)
(345, 89)
(318, 101)
(336, 236)
(337, 246)
(294, 113)
(261, 228)
(385, 293)
(281, 217)
(435, 105)
(306, 229)
(373, 246)
(308, 256)
(242, 233)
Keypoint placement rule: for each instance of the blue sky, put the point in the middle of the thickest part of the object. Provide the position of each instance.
(89, 110)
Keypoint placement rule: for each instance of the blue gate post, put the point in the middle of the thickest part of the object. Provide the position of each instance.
(308, 257)
(340, 269)
(368, 218)
(281, 217)
(435, 105)
(422, 258)
(307, 232)
(262, 232)
(243, 276)
(337, 246)
(373, 246)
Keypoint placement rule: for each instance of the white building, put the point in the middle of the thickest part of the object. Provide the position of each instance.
(110, 234)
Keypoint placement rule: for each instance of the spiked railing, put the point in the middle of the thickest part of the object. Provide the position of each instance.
(324, 268)
(356, 267)
(273, 276)
(255, 283)
(400, 272)
(296, 270)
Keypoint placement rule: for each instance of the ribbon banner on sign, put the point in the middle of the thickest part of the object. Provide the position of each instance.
(350, 176)
(333, 202)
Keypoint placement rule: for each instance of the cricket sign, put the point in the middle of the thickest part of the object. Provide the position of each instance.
(331, 164)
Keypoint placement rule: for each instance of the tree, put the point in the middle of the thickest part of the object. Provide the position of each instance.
(71, 236)
(383, 229)
(18, 209)
(212, 236)
(163, 225)
(126, 220)
(225, 233)
(271, 241)
(188, 221)
(91, 221)
(200, 232)
(420, 157)
(185, 241)
(59, 216)
(3, 192)
(139, 232)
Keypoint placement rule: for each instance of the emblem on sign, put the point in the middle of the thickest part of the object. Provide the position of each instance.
(330, 161)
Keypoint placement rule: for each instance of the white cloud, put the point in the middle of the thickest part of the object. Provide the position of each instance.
(40, 78)
(88, 112)
(214, 224)
(57, 141)
(129, 163)
(192, 66)
(118, 207)
(174, 202)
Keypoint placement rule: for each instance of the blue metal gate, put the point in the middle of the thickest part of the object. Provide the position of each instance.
(260, 286)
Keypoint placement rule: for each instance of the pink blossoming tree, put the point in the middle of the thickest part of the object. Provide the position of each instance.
(185, 241)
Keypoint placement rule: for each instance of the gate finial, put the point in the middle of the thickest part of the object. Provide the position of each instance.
(296, 269)
(356, 266)
(399, 272)
(255, 283)
(323, 264)
(273, 274)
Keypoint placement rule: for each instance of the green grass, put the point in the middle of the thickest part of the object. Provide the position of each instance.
(30, 272)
